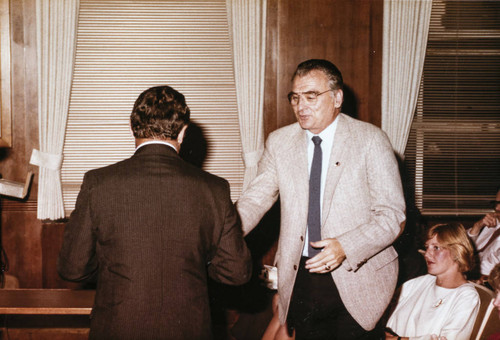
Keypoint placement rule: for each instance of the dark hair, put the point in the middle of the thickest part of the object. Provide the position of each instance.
(329, 69)
(453, 236)
(159, 112)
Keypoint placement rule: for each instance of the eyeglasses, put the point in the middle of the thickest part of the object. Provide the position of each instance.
(310, 97)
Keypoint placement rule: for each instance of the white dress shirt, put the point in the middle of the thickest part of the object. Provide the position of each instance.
(488, 246)
(156, 142)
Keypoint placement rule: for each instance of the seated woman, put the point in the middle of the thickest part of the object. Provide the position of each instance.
(441, 304)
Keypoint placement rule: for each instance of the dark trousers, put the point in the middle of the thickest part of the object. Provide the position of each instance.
(317, 311)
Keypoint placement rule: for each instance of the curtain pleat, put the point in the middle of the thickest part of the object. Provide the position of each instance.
(56, 38)
(248, 27)
(406, 27)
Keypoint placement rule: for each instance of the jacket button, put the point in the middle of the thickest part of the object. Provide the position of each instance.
(294, 267)
(302, 238)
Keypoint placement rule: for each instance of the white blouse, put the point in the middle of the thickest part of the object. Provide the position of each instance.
(425, 309)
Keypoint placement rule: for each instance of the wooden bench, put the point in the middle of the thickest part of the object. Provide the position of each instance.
(45, 313)
(46, 301)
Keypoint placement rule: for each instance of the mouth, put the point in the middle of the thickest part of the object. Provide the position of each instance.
(429, 263)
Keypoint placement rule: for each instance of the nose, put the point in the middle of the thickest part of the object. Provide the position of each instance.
(301, 103)
(427, 253)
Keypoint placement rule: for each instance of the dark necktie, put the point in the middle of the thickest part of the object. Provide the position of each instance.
(314, 214)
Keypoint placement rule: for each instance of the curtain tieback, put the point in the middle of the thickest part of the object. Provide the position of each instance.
(251, 159)
(46, 160)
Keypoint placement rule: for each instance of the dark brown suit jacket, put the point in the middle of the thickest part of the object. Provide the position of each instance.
(153, 228)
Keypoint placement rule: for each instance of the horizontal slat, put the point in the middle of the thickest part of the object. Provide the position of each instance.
(125, 47)
(453, 152)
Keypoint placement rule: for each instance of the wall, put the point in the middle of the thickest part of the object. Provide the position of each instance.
(21, 230)
(30, 245)
(349, 33)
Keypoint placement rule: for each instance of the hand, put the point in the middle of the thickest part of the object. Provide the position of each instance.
(435, 337)
(489, 220)
(389, 336)
(328, 259)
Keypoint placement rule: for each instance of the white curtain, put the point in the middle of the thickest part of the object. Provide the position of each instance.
(56, 38)
(406, 27)
(248, 27)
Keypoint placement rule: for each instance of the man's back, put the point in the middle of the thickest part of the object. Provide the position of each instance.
(157, 223)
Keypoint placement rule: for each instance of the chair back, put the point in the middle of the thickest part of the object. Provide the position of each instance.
(487, 322)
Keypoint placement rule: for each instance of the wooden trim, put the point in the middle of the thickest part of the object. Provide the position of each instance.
(271, 75)
(5, 76)
(46, 301)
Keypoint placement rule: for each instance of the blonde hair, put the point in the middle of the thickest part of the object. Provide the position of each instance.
(454, 237)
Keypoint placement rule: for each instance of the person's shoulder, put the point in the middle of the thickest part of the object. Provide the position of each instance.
(107, 169)
(286, 130)
(201, 175)
(467, 295)
(468, 288)
(358, 124)
(364, 134)
(416, 286)
(423, 280)
(285, 136)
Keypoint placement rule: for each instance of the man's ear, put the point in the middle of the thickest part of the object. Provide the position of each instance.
(339, 98)
(180, 137)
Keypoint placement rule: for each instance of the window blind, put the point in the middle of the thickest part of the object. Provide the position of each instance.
(125, 47)
(453, 149)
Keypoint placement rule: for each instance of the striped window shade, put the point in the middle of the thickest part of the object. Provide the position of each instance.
(125, 47)
(453, 153)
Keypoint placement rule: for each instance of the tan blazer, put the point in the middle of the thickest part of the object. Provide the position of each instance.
(363, 207)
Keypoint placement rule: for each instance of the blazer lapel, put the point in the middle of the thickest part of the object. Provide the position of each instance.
(299, 173)
(336, 165)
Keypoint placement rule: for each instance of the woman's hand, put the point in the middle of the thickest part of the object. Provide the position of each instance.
(435, 337)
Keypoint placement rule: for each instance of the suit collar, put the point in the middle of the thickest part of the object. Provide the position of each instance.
(156, 148)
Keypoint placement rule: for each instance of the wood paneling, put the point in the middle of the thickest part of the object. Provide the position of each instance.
(5, 86)
(20, 229)
(348, 33)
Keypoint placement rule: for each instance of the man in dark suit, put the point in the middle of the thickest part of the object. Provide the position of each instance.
(153, 228)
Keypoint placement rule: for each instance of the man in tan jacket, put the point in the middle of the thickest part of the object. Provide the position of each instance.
(341, 196)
